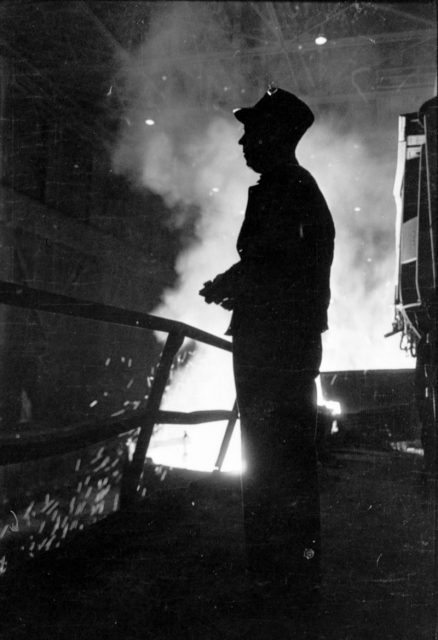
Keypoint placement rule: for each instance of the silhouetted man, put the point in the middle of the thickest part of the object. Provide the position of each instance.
(279, 293)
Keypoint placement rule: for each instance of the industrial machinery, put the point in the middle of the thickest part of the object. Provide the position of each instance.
(415, 191)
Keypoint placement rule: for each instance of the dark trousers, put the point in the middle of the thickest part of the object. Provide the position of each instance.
(275, 376)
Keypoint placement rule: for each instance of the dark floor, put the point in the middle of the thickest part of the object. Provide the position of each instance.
(173, 567)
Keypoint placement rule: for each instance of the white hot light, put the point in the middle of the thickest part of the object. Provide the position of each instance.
(331, 405)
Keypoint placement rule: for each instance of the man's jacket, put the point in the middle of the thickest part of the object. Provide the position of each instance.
(286, 251)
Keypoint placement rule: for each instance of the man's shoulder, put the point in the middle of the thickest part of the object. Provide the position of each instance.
(292, 176)
(304, 177)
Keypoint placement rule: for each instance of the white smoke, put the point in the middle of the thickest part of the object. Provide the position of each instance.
(356, 173)
(206, 169)
(191, 158)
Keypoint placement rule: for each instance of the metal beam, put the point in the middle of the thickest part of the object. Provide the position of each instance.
(279, 35)
(299, 47)
(405, 14)
(103, 30)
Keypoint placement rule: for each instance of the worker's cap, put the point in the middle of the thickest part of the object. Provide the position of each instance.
(283, 109)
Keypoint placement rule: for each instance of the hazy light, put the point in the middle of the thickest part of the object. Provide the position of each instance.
(331, 405)
(149, 122)
(334, 427)
(181, 166)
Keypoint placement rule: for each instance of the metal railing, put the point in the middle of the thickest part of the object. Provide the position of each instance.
(30, 446)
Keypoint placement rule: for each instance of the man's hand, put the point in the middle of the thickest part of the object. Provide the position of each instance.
(218, 291)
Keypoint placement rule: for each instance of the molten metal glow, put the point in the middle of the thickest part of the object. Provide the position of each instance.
(205, 382)
(331, 405)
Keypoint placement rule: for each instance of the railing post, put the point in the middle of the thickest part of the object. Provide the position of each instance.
(227, 438)
(135, 468)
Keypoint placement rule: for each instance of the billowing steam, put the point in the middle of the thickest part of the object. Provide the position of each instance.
(191, 158)
(356, 174)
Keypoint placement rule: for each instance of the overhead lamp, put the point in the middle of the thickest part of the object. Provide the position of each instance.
(320, 39)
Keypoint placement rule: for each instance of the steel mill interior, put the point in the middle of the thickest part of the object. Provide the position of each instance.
(123, 189)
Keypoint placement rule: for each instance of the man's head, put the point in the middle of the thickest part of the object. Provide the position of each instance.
(273, 128)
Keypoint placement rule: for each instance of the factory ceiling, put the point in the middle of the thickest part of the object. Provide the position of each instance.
(72, 52)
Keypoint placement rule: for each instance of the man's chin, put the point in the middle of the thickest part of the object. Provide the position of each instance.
(253, 166)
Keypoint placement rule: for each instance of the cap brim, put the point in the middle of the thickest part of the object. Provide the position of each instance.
(244, 115)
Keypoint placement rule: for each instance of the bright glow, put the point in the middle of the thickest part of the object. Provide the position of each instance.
(361, 306)
(205, 382)
(195, 149)
(320, 40)
(195, 447)
(331, 405)
(149, 122)
(413, 447)
(334, 427)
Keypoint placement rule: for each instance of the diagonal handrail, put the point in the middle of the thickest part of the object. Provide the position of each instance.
(27, 297)
(42, 441)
